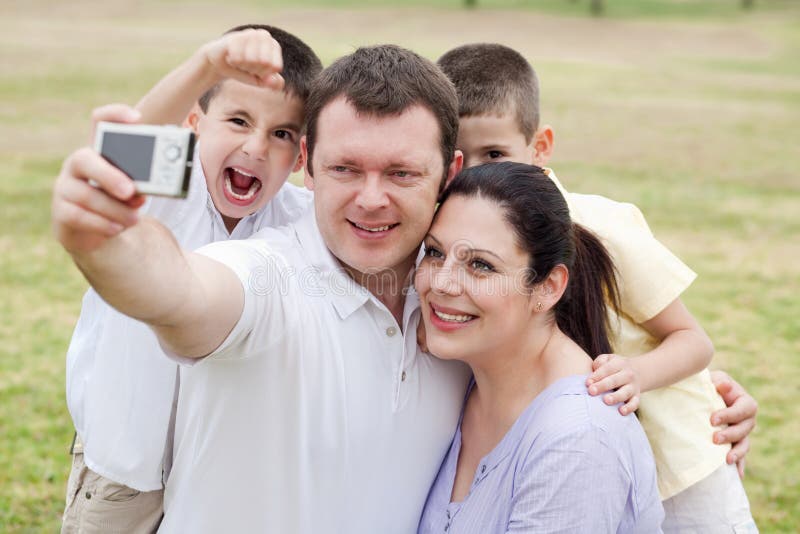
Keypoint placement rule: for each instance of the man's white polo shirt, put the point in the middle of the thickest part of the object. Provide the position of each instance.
(318, 413)
(120, 385)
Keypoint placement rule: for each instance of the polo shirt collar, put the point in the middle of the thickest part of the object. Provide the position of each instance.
(346, 295)
(552, 175)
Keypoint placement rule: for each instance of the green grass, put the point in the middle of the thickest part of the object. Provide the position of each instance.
(688, 109)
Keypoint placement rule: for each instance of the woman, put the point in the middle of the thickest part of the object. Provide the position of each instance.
(512, 287)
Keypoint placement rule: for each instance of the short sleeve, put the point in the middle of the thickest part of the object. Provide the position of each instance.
(649, 275)
(574, 483)
(264, 275)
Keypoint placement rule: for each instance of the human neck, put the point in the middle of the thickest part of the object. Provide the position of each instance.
(229, 222)
(508, 380)
(388, 285)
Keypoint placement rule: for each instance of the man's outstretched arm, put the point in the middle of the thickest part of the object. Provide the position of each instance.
(135, 264)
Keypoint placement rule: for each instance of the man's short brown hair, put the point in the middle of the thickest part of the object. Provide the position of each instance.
(494, 79)
(386, 80)
(300, 64)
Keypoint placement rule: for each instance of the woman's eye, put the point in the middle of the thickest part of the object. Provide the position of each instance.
(433, 252)
(480, 265)
(237, 121)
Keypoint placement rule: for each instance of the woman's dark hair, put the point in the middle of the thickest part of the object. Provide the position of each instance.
(537, 211)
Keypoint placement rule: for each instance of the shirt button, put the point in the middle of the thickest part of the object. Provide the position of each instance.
(483, 469)
(403, 379)
(88, 495)
(391, 331)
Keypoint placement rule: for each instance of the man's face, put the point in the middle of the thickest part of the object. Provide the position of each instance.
(493, 138)
(249, 144)
(375, 183)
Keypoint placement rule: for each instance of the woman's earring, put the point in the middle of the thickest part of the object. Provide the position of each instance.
(539, 306)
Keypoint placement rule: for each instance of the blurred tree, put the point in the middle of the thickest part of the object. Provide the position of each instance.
(470, 3)
(748, 4)
(597, 7)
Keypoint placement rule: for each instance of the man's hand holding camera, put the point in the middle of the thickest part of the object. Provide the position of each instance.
(85, 216)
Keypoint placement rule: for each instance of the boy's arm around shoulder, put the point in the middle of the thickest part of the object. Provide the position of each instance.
(249, 56)
(651, 280)
(136, 265)
(685, 348)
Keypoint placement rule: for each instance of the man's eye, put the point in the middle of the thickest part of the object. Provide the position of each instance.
(480, 265)
(401, 174)
(339, 168)
(237, 121)
(495, 154)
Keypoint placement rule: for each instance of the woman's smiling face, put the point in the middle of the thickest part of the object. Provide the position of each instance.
(472, 281)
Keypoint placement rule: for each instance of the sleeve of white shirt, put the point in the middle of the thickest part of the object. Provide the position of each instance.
(649, 275)
(574, 483)
(265, 276)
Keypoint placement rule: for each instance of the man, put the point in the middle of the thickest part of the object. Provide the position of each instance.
(310, 407)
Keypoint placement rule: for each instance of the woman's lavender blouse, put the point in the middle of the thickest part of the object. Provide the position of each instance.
(569, 464)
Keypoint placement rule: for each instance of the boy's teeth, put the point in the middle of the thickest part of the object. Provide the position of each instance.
(453, 318)
(245, 173)
(378, 229)
(251, 192)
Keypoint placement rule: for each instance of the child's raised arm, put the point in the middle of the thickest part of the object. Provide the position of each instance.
(250, 56)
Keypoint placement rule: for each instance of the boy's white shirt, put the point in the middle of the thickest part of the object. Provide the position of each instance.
(120, 385)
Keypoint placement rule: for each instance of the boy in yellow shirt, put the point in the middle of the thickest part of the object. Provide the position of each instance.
(663, 371)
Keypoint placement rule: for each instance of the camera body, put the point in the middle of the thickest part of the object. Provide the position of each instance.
(157, 158)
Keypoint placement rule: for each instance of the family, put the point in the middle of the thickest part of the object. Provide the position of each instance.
(432, 336)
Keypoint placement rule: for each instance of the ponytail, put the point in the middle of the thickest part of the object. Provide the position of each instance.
(582, 312)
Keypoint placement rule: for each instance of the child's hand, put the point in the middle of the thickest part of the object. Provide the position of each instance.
(249, 56)
(739, 415)
(615, 373)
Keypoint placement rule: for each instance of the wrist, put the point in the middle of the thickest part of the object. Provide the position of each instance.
(203, 69)
(640, 367)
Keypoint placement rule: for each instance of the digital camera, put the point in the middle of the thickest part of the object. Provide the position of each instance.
(157, 158)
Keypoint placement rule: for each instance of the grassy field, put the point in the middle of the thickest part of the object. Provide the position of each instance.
(688, 109)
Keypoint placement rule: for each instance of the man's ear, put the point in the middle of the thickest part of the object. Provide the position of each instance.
(549, 291)
(308, 180)
(543, 141)
(455, 167)
(192, 120)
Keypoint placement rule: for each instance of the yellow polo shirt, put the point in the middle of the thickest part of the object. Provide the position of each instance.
(650, 277)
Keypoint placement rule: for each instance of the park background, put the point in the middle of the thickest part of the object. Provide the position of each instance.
(689, 109)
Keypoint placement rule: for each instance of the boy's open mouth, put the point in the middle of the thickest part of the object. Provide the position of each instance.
(240, 186)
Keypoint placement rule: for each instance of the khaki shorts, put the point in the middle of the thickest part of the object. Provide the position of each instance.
(96, 504)
(716, 504)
